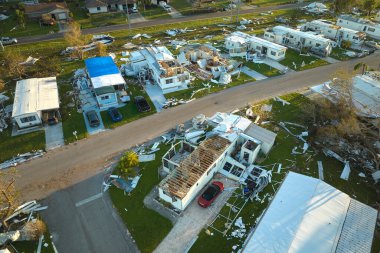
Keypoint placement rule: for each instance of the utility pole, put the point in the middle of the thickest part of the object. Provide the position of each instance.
(238, 11)
(128, 20)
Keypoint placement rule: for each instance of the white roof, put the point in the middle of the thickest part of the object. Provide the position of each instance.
(261, 134)
(328, 24)
(107, 80)
(309, 215)
(239, 36)
(284, 30)
(34, 95)
(229, 125)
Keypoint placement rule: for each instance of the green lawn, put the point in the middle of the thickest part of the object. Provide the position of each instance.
(356, 187)
(310, 62)
(10, 27)
(31, 246)
(129, 111)
(198, 84)
(339, 54)
(154, 12)
(270, 2)
(147, 227)
(262, 68)
(11, 146)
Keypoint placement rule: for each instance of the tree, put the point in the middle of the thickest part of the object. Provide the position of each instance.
(76, 40)
(12, 63)
(127, 163)
(342, 5)
(20, 18)
(361, 65)
(2, 85)
(102, 49)
(8, 195)
(369, 6)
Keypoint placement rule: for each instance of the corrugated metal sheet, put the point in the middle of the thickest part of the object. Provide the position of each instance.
(35, 94)
(261, 134)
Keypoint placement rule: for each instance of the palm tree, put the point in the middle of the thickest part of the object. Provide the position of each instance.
(361, 65)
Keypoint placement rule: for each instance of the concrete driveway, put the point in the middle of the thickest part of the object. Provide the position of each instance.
(81, 219)
(54, 136)
(93, 130)
(193, 219)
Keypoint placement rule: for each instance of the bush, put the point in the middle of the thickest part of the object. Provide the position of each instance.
(127, 164)
(346, 44)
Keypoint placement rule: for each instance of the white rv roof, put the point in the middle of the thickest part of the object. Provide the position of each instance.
(309, 215)
(283, 30)
(331, 25)
(34, 95)
(248, 37)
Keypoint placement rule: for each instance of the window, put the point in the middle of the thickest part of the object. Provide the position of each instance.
(371, 29)
(98, 8)
(246, 156)
(28, 119)
(167, 81)
(273, 53)
(258, 47)
(340, 21)
(281, 53)
(317, 45)
(355, 38)
(329, 31)
(104, 97)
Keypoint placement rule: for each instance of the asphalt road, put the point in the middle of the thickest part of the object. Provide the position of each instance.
(81, 219)
(149, 23)
(73, 163)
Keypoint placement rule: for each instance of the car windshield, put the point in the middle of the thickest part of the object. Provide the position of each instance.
(211, 191)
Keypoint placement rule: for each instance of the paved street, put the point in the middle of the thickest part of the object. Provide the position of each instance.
(81, 219)
(69, 178)
(136, 24)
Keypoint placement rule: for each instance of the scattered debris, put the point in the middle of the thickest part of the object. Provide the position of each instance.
(346, 171)
(266, 108)
(320, 170)
(29, 61)
(284, 102)
(361, 174)
(147, 158)
(128, 185)
(21, 158)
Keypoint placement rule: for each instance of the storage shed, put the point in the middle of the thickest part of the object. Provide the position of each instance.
(266, 137)
(33, 97)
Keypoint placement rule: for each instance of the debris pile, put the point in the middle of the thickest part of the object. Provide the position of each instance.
(22, 225)
(241, 231)
(21, 158)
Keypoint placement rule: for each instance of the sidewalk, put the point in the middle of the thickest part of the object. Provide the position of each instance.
(253, 73)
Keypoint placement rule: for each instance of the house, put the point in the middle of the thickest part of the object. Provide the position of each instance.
(365, 93)
(240, 44)
(99, 6)
(228, 150)
(34, 98)
(266, 137)
(309, 215)
(359, 24)
(316, 8)
(56, 10)
(335, 32)
(158, 65)
(299, 40)
(157, 2)
(106, 80)
(206, 63)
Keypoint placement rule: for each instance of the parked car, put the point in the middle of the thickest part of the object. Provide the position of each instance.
(8, 41)
(52, 118)
(167, 8)
(132, 10)
(93, 118)
(142, 104)
(115, 114)
(210, 194)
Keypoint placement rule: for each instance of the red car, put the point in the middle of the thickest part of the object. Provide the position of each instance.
(210, 194)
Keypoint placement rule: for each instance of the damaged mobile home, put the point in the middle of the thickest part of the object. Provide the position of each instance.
(365, 93)
(106, 80)
(312, 216)
(206, 63)
(158, 66)
(335, 32)
(231, 150)
(299, 40)
(359, 24)
(240, 44)
(35, 99)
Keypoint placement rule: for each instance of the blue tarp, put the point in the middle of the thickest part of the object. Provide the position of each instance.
(101, 66)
